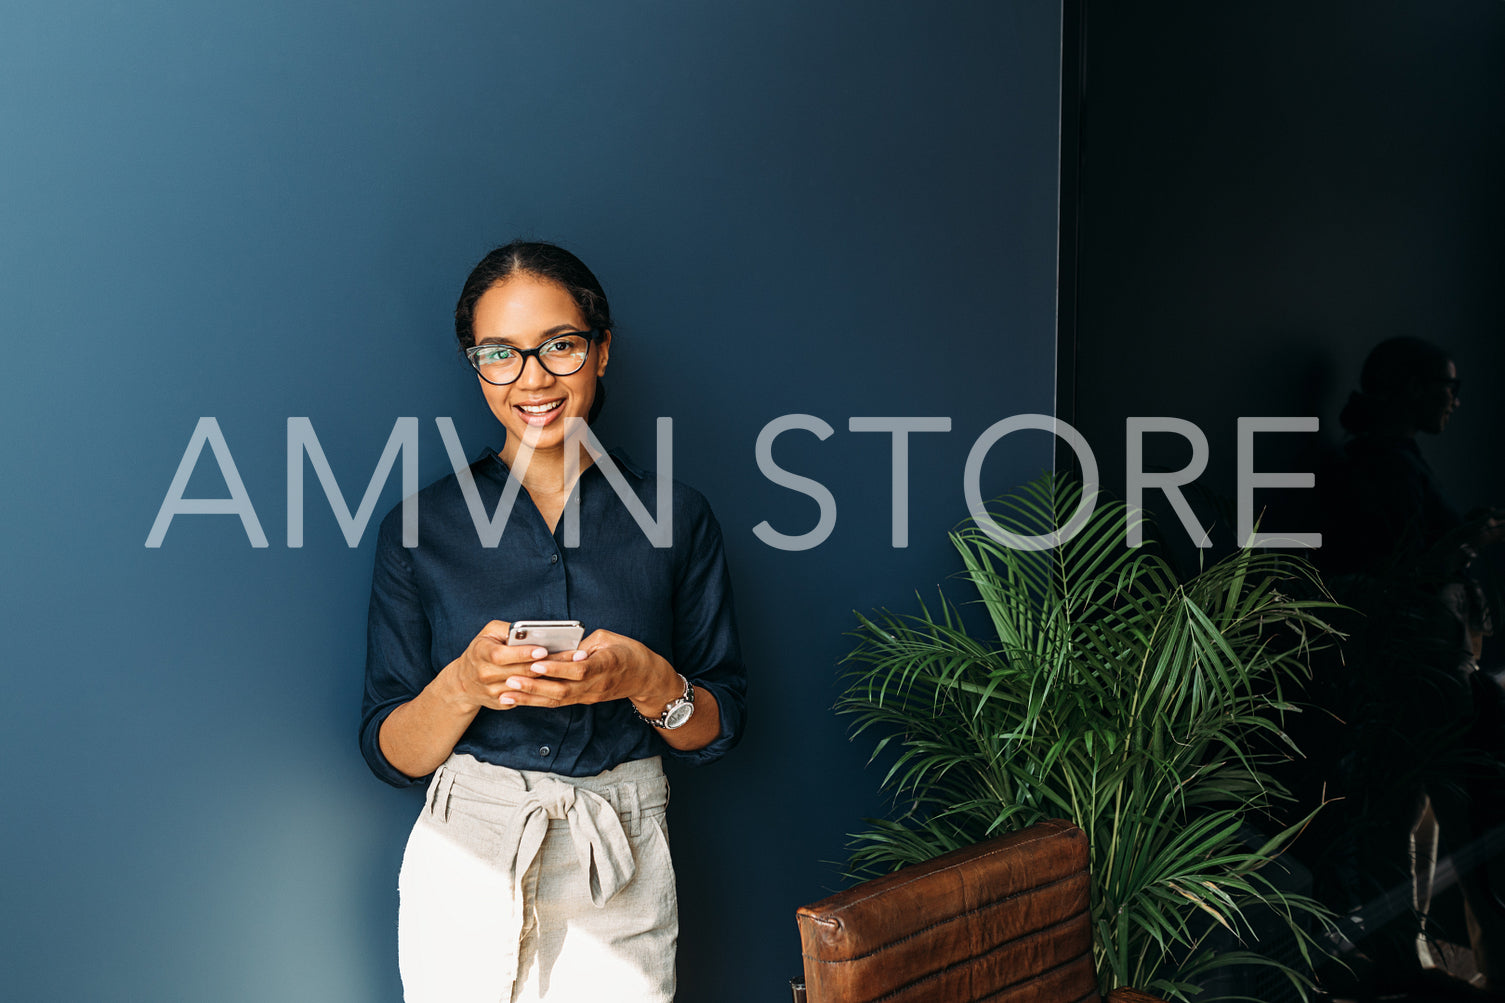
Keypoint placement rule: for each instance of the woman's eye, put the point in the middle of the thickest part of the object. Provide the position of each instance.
(563, 346)
(491, 356)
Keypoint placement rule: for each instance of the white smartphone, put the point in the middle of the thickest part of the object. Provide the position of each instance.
(555, 635)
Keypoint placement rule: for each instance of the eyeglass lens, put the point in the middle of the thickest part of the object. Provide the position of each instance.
(502, 364)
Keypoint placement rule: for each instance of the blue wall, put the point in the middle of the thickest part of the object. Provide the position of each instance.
(261, 211)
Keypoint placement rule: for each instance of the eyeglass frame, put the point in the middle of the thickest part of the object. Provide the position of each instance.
(591, 337)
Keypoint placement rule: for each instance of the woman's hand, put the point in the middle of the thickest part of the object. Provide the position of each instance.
(419, 735)
(607, 666)
(478, 678)
(610, 666)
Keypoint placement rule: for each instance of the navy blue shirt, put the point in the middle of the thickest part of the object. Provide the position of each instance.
(430, 601)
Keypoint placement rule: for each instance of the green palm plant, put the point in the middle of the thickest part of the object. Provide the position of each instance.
(1146, 710)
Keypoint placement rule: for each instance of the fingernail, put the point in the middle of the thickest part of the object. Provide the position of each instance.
(514, 684)
(579, 655)
(540, 652)
(506, 701)
(539, 667)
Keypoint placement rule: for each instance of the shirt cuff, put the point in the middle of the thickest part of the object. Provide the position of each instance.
(371, 749)
(730, 708)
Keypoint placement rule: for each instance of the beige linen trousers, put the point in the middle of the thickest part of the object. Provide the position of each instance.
(526, 886)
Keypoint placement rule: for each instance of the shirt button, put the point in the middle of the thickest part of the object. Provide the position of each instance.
(543, 750)
(553, 558)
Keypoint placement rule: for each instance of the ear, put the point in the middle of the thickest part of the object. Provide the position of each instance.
(603, 348)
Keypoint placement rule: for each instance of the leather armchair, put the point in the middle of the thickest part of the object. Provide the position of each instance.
(1005, 921)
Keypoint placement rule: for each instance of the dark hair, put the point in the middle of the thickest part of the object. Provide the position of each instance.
(546, 261)
(534, 257)
(1390, 370)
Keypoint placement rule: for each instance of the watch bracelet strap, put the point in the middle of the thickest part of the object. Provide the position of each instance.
(661, 721)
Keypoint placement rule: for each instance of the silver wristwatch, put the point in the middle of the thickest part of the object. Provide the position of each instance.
(676, 714)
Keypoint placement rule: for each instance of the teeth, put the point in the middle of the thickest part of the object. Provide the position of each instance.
(539, 408)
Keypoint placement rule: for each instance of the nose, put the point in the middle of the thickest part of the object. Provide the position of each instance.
(534, 374)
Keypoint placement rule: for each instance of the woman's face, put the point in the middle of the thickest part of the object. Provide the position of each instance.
(525, 311)
(1434, 399)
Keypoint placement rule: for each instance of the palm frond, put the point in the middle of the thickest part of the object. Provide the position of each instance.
(1145, 709)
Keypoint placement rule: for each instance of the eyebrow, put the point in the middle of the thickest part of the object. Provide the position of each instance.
(545, 336)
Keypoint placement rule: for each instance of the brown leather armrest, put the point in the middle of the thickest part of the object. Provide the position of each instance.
(1132, 996)
(1007, 918)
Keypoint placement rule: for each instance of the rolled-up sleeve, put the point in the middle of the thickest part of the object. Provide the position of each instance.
(398, 664)
(706, 647)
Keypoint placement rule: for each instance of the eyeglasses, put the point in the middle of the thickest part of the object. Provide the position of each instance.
(562, 355)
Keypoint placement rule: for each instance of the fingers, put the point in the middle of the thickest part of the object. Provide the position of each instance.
(560, 665)
(599, 649)
(519, 676)
(496, 630)
(489, 661)
(494, 661)
(500, 676)
(535, 691)
(498, 681)
(568, 677)
(490, 649)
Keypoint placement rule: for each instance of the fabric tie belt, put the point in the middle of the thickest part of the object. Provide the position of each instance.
(519, 806)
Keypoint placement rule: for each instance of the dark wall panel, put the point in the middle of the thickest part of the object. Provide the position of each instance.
(1268, 190)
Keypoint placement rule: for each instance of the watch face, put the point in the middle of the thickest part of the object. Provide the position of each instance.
(678, 714)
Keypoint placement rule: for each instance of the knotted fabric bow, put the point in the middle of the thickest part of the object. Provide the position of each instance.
(600, 842)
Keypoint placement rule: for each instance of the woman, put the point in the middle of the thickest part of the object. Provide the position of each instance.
(539, 866)
(1385, 510)
(1397, 552)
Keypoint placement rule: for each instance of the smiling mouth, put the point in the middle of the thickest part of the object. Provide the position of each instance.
(541, 414)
